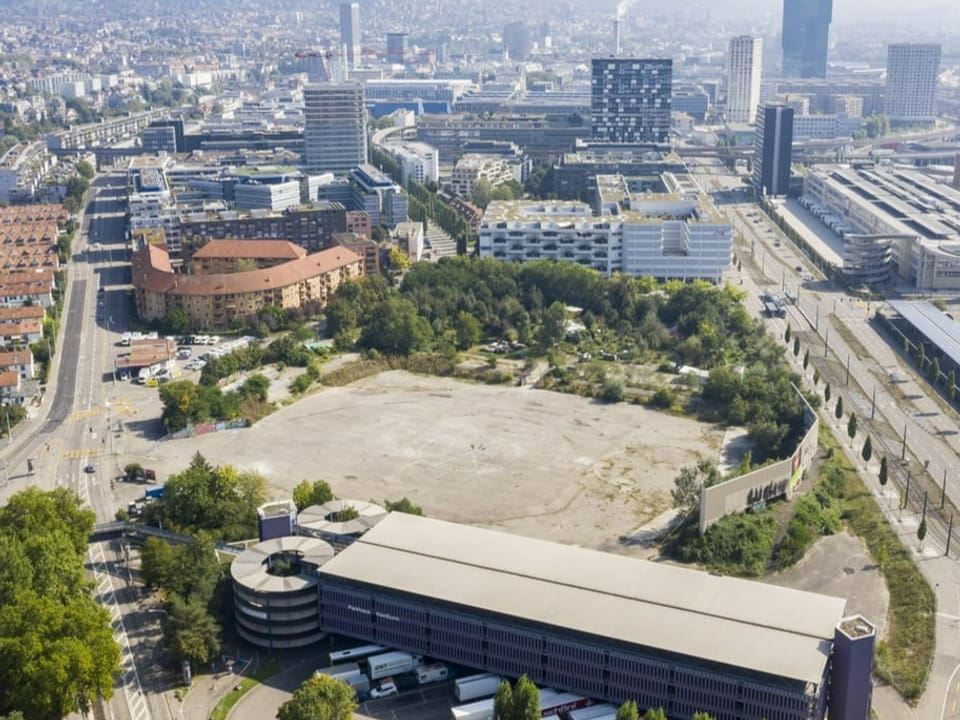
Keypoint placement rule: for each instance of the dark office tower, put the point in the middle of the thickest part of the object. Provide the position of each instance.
(806, 31)
(517, 40)
(350, 32)
(396, 47)
(773, 138)
(630, 100)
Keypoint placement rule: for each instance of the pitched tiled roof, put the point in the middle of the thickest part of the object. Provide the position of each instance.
(250, 249)
(152, 272)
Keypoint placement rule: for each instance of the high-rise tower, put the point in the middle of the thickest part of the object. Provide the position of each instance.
(805, 37)
(630, 100)
(772, 144)
(912, 70)
(744, 59)
(350, 31)
(335, 129)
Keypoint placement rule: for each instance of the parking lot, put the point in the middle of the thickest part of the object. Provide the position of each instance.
(543, 464)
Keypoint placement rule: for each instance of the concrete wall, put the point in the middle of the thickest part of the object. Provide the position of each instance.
(767, 483)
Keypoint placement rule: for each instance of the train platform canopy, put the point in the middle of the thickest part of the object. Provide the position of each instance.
(934, 324)
(748, 625)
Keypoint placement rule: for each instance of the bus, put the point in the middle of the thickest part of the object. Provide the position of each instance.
(355, 653)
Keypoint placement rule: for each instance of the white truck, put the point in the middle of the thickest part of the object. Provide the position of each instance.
(392, 663)
(476, 686)
(432, 673)
(351, 674)
(483, 709)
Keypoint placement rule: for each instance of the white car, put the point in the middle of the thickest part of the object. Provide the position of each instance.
(384, 689)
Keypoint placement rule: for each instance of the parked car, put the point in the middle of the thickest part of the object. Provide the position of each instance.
(90, 469)
(384, 689)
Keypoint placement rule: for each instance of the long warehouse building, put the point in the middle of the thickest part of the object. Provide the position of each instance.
(602, 625)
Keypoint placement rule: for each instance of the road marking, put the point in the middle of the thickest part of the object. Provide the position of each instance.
(75, 454)
(130, 678)
(943, 708)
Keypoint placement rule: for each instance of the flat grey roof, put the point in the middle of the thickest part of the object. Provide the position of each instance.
(933, 323)
(764, 628)
(250, 567)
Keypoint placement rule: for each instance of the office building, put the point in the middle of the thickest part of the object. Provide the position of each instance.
(350, 32)
(630, 100)
(396, 47)
(893, 220)
(418, 161)
(473, 168)
(616, 628)
(517, 41)
(912, 70)
(744, 62)
(805, 37)
(772, 145)
(335, 127)
(661, 226)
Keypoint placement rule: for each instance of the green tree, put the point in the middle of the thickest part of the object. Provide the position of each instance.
(468, 330)
(786, 334)
(654, 714)
(397, 328)
(838, 411)
(526, 700)
(397, 259)
(256, 386)
(806, 359)
(883, 471)
(867, 452)
(191, 632)
(503, 701)
(796, 346)
(922, 530)
(852, 426)
(347, 513)
(553, 325)
(702, 716)
(306, 493)
(816, 376)
(175, 322)
(85, 169)
(320, 697)
(158, 563)
(628, 711)
(826, 393)
(689, 482)
(404, 505)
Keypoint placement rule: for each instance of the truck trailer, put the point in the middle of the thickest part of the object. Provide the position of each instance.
(432, 673)
(476, 686)
(604, 711)
(392, 663)
(483, 709)
(351, 674)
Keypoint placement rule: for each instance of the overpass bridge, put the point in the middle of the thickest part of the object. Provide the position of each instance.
(140, 533)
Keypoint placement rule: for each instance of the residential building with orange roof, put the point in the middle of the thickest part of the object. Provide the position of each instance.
(216, 300)
(229, 255)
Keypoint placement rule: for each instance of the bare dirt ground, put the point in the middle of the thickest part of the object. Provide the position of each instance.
(535, 463)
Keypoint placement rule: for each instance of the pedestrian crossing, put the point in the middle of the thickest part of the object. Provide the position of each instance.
(78, 454)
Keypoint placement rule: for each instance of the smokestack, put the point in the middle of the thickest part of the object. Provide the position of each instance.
(616, 37)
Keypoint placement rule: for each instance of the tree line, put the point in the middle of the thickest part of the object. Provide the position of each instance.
(453, 304)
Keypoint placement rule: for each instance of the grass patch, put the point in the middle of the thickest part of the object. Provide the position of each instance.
(268, 668)
(903, 660)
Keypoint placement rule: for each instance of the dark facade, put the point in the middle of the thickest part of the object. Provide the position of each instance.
(517, 40)
(596, 667)
(311, 228)
(631, 100)
(771, 149)
(851, 687)
(291, 140)
(164, 135)
(396, 47)
(574, 178)
(805, 39)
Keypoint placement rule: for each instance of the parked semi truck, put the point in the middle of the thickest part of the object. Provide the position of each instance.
(351, 674)
(483, 709)
(476, 686)
(603, 711)
(393, 663)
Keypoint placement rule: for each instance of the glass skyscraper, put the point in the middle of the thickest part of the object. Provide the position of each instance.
(806, 33)
(630, 100)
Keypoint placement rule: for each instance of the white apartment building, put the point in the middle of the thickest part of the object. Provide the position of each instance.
(825, 127)
(474, 167)
(418, 161)
(673, 234)
(22, 170)
(744, 63)
(912, 70)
